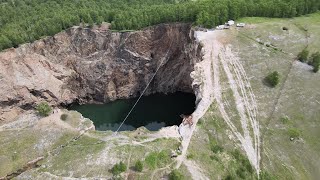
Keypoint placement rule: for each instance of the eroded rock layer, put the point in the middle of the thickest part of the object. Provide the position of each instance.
(96, 65)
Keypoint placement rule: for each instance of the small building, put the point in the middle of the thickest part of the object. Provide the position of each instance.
(230, 22)
(241, 24)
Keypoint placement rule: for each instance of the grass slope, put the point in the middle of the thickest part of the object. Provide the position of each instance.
(263, 47)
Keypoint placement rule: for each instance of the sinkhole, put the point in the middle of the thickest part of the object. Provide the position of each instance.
(153, 111)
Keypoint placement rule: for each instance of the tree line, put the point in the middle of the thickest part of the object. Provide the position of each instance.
(24, 21)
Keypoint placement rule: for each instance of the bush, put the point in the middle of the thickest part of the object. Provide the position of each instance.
(118, 168)
(43, 109)
(155, 159)
(151, 160)
(190, 156)
(303, 55)
(285, 120)
(216, 148)
(273, 79)
(247, 165)
(243, 160)
(164, 157)
(241, 172)
(315, 61)
(316, 68)
(294, 133)
(230, 177)
(175, 175)
(266, 176)
(213, 157)
(138, 166)
(64, 117)
(285, 28)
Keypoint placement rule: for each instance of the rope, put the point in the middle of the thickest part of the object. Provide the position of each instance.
(145, 89)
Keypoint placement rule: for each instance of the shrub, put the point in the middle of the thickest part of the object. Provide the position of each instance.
(236, 154)
(285, 28)
(316, 68)
(303, 55)
(138, 166)
(43, 109)
(118, 168)
(315, 61)
(155, 159)
(273, 79)
(216, 148)
(247, 165)
(266, 176)
(151, 160)
(213, 157)
(230, 177)
(64, 117)
(164, 157)
(190, 156)
(241, 172)
(294, 133)
(243, 160)
(285, 120)
(175, 175)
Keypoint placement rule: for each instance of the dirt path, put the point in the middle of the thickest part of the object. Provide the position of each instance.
(245, 103)
(202, 76)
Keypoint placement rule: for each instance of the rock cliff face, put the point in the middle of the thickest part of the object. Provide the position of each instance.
(94, 65)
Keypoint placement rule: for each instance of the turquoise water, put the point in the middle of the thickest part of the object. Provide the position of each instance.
(153, 112)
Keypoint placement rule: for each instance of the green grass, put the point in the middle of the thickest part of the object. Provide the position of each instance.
(258, 20)
(158, 159)
(73, 118)
(16, 150)
(21, 146)
(76, 152)
(294, 97)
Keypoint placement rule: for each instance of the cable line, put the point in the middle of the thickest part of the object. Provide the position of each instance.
(145, 89)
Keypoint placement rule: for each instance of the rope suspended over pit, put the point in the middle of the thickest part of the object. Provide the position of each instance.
(145, 89)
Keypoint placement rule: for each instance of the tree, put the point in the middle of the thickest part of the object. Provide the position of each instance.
(43, 109)
(138, 166)
(303, 55)
(90, 21)
(273, 79)
(118, 168)
(28, 20)
(175, 175)
(99, 20)
(5, 42)
(203, 18)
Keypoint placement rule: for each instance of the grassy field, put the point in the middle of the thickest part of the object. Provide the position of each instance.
(297, 97)
(292, 109)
